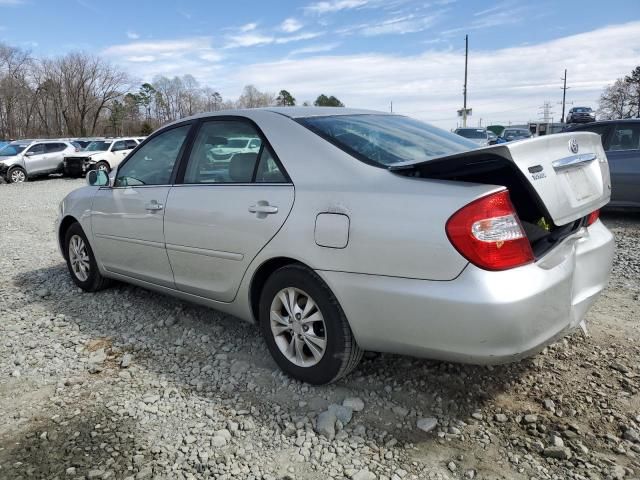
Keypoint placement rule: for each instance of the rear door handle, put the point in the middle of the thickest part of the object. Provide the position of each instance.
(263, 208)
(154, 206)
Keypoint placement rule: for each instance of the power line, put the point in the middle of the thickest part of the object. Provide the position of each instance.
(546, 112)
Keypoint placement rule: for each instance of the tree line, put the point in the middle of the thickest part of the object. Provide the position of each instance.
(82, 95)
(622, 98)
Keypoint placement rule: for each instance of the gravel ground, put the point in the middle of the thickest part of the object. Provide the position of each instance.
(130, 384)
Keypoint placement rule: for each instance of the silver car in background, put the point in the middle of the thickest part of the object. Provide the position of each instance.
(24, 159)
(479, 136)
(350, 230)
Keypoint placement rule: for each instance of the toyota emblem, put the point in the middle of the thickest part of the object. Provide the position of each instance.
(573, 145)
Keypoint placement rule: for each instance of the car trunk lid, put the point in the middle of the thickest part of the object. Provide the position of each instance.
(566, 174)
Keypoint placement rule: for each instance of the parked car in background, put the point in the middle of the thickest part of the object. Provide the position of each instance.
(479, 136)
(621, 141)
(233, 146)
(3, 143)
(339, 235)
(492, 137)
(102, 154)
(513, 134)
(581, 115)
(26, 159)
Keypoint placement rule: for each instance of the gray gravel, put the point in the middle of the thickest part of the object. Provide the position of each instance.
(130, 384)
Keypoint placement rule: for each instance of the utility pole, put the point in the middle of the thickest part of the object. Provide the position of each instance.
(464, 91)
(546, 112)
(564, 95)
(391, 107)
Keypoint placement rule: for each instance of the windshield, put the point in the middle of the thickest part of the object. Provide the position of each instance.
(582, 110)
(516, 133)
(98, 146)
(384, 140)
(472, 133)
(11, 150)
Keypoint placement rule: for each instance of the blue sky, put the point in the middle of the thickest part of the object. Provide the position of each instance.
(366, 52)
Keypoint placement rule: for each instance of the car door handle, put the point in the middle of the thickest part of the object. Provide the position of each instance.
(265, 209)
(153, 206)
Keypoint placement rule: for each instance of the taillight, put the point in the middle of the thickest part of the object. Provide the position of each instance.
(593, 217)
(488, 233)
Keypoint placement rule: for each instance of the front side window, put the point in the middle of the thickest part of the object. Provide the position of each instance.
(37, 149)
(221, 153)
(117, 146)
(130, 144)
(98, 146)
(153, 163)
(625, 137)
(384, 140)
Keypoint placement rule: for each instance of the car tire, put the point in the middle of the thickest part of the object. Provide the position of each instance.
(295, 334)
(16, 175)
(81, 261)
(102, 165)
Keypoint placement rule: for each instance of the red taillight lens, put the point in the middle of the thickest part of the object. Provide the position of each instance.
(593, 217)
(488, 233)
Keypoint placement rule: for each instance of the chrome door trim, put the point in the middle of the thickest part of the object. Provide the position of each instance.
(206, 252)
(573, 161)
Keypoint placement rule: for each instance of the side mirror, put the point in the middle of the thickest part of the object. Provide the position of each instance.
(97, 178)
(29, 154)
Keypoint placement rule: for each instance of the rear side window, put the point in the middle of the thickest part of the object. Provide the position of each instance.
(54, 147)
(625, 137)
(601, 130)
(224, 151)
(384, 140)
(129, 144)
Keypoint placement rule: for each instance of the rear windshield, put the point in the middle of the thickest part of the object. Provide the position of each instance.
(516, 133)
(385, 140)
(11, 150)
(472, 133)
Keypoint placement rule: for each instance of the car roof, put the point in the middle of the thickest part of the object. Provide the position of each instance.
(291, 112)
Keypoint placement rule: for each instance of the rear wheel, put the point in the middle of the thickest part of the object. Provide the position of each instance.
(104, 166)
(81, 261)
(16, 175)
(305, 328)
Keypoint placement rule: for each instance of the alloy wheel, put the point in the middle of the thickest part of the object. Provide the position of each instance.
(298, 327)
(79, 258)
(18, 176)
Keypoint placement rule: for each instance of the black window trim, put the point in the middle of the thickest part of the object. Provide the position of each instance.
(179, 178)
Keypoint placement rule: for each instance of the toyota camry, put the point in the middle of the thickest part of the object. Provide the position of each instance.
(345, 230)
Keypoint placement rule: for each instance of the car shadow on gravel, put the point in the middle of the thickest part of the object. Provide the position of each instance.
(167, 334)
(82, 442)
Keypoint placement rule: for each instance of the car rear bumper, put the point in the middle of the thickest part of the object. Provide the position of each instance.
(481, 316)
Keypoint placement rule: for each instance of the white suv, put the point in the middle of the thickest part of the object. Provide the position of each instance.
(104, 154)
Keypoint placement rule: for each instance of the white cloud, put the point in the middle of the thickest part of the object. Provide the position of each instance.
(290, 25)
(505, 84)
(255, 39)
(141, 58)
(331, 6)
(133, 35)
(327, 47)
(248, 27)
(398, 25)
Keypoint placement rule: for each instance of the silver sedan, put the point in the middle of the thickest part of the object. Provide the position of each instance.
(347, 230)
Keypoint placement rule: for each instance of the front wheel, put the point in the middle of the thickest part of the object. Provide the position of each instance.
(81, 261)
(16, 175)
(305, 328)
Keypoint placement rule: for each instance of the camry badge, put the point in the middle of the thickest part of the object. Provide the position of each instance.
(573, 145)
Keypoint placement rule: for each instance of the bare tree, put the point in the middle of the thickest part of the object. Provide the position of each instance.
(253, 98)
(616, 101)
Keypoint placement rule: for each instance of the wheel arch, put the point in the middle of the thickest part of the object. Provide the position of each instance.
(260, 277)
(62, 231)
